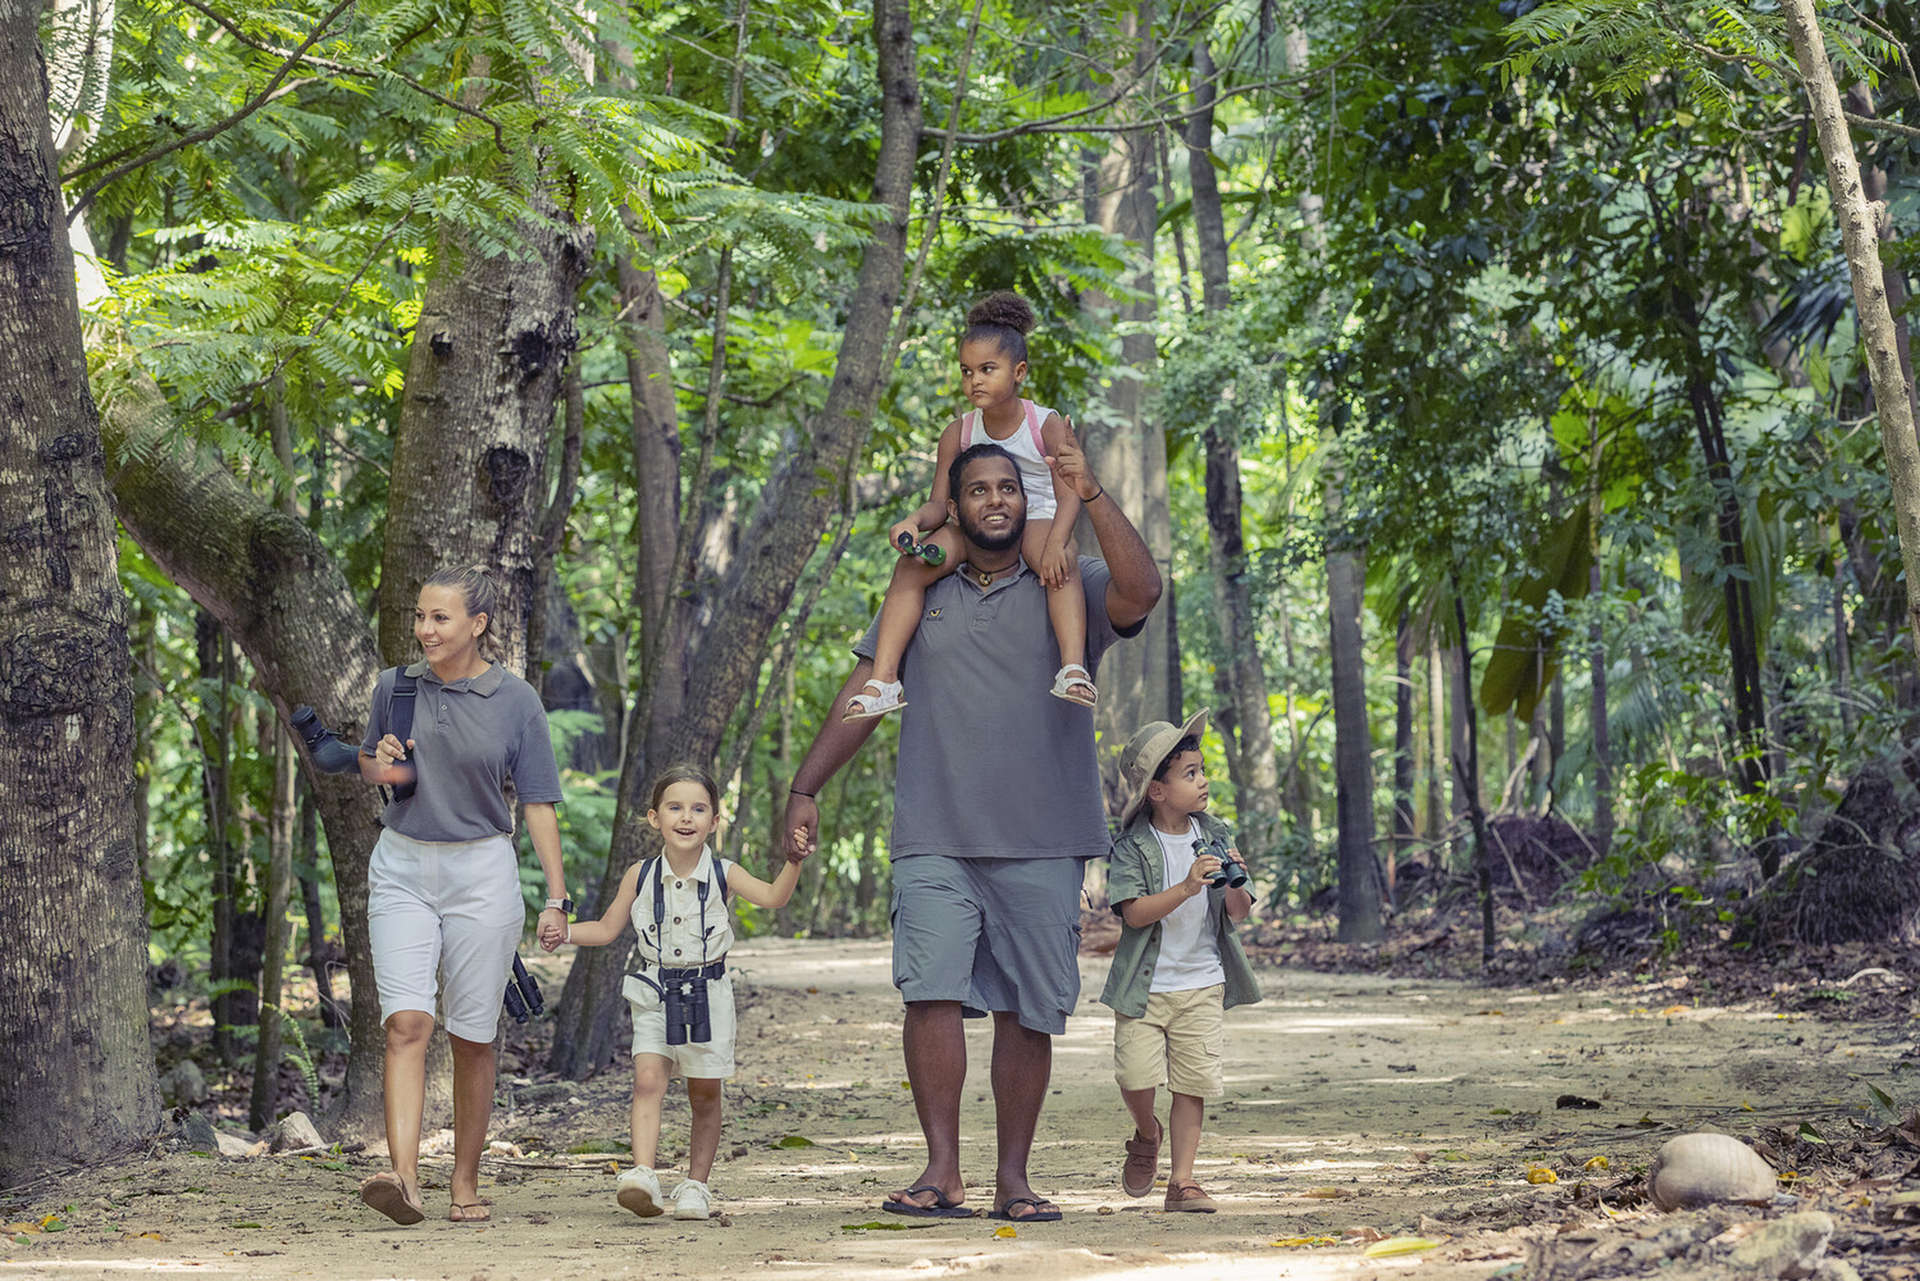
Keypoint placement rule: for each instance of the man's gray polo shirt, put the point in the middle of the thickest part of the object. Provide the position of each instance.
(991, 765)
(469, 737)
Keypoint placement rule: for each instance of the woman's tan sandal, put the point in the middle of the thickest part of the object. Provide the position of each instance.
(1188, 1198)
(1075, 684)
(886, 696)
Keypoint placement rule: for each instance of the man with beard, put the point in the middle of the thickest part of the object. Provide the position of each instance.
(997, 807)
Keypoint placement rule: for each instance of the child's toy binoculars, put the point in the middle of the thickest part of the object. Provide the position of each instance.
(931, 553)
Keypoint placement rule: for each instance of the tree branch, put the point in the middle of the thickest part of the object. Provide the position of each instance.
(252, 105)
(1881, 126)
(378, 70)
(1059, 123)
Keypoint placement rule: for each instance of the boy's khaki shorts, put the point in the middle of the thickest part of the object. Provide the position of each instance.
(1179, 1043)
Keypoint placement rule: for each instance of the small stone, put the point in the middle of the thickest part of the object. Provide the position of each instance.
(1788, 1248)
(1701, 1169)
(1831, 1269)
(232, 1146)
(296, 1130)
(197, 1132)
(184, 1085)
(543, 1095)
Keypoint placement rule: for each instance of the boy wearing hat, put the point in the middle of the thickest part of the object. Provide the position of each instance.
(1178, 965)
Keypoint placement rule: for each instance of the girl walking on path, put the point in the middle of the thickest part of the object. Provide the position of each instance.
(681, 996)
(443, 885)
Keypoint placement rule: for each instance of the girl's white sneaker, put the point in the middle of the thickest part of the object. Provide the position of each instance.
(692, 1200)
(639, 1191)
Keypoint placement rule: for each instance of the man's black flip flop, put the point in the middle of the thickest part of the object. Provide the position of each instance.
(1043, 1211)
(941, 1208)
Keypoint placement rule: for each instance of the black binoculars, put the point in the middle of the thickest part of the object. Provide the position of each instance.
(523, 999)
(330, 754)
(688, 1015)
(931, 553)
(1232, 874)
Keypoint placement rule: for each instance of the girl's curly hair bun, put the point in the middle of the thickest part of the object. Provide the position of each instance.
(1004, 318)
(1003, 309)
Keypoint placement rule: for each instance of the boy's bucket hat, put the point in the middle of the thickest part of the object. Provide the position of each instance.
(1150, 745)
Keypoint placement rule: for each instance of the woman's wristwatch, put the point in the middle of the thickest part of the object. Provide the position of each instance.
(561, 904)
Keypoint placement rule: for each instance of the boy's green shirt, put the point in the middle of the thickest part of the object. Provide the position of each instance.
(1139, 868)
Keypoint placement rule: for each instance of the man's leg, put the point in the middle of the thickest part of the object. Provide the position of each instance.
(1022, 1065)
(935, 1042)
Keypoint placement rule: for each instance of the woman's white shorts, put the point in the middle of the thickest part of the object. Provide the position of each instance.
(704, 1059)
(445, 909)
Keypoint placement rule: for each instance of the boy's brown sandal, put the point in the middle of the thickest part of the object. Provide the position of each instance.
(1143, 1162)
(1189, 1198)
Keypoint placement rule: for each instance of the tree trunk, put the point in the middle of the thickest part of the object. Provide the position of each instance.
(79, 1083)
(281, 597)
(1130, 453)
(1893, 394)
(214, 725)
(468, 479)
(1403, 819)
(1468, 767)
(1437, 816)
(1359, 889)
(280, 833)
(307, 867)
(1249, 724)
(705, 678)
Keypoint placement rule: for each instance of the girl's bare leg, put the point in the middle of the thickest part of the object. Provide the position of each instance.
(649, 1087)
(704, 1093)
(1067, 603)
(906, 597)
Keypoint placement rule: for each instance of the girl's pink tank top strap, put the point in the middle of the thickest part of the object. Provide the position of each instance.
(967, 421)
(1033, 425)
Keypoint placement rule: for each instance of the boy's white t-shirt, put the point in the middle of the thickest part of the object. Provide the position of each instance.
(1189, 954)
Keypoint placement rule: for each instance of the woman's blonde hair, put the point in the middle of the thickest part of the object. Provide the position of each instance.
(480, 592)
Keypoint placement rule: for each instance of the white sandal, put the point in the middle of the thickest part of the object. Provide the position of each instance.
(887, 696)
(1070, 678)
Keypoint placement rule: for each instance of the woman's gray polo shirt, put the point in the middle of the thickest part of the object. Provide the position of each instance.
(470, 738)
(991, 765)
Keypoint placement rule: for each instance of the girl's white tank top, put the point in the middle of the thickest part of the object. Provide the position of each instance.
(1029, 452)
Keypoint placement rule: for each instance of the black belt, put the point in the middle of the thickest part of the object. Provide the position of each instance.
(710, 971)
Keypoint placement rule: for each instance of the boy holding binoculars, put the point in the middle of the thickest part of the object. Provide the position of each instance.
(1178, 887)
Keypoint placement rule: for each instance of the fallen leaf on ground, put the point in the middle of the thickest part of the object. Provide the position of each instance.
(1327, 1194)
(1597, 1163)
(1400, 1245)
(1295, 1243)
(1365, 1234)
(1004, 1233)
(1541, 1174)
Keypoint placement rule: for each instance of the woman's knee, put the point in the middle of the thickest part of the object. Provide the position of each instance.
(407, 1029)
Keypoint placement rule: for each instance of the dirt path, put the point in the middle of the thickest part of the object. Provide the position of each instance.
(1356, 1102)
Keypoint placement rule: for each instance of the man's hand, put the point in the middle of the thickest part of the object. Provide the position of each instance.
(1070, 467)
(803, 826)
